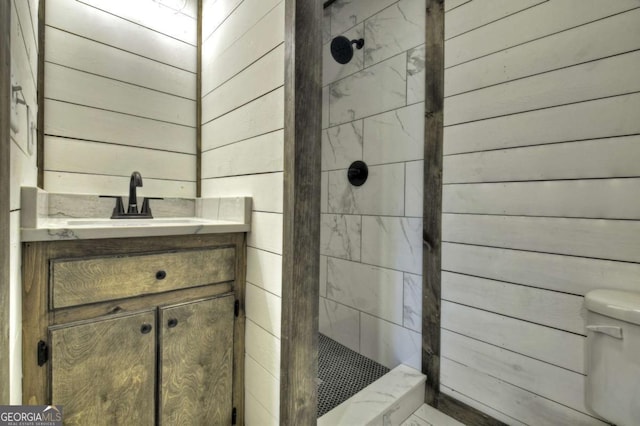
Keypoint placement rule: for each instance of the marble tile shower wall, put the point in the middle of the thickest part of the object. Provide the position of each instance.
(371, 246)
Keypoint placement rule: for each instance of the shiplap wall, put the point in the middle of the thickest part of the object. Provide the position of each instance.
(540, 198)
(242, 154)
(120, 95)
(24, 65)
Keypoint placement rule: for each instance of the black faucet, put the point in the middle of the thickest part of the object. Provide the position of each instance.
(136, 181)
(132, 210)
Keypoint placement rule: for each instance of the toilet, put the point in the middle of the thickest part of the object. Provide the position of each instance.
(613, 356)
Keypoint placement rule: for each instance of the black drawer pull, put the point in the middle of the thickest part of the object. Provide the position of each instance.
(146, 328)
(172, 323)
(161, 275)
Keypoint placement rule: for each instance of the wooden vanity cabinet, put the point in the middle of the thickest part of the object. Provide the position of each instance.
(137, 331)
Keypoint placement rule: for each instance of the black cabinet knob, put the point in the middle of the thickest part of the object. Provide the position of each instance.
(161, 275)
(146, 328)
(172, 322)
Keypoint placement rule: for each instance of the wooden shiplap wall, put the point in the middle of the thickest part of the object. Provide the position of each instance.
(540, 197)
(120, 95)
(242, 154)
(23, 171)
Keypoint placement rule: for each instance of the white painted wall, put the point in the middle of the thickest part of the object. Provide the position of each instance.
(24, 54)
(242, 154)
(371, 245)
(120, 90)
(540, 196)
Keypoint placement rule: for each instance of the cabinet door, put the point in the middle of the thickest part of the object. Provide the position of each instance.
(196, 362)
(103, 371)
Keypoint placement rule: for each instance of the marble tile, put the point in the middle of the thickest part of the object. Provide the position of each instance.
(393, 242)
(324, 192)
(435, 417)
(415, 421)
(388, 343)
(412, 306)
(340, 236)
(414, 185)
(395, 135)
(347, 13)
(263, 346)
(262, 385)
(266, 189)
(341, 145)
(382, 194)
(325, 107)
(388, 401)
(366, 288)
(323, 276)
(266, 232)
(379, 88)
(333, 70)
(415, 74)
(394, 30)
(264, 269)
(263, 308)
(340, 323)
(326, 25)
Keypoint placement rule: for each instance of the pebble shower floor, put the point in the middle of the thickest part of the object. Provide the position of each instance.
(342, 373)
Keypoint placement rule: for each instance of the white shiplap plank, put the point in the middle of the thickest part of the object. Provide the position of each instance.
(452, 4)
(599, 158)
(573, 84)
(604, 239)
(80, 122)
(480, 406)
(479, 13)
(563, 49)
(94, 24)
(549, 381)
(263, 347)
(535, 341)
(263, 387)
(262, 154)
(558, 310)
(23, 172)
(261, 77)
(266, 232)
(85, 55)
(263, 115)
(537, 22)
(568, 274)
(214, 12)
(593, 198)
(265, 190)
(511, 400)
(83, 183)
(151, 14)
(107, 159)
(264, 269)
(243, 18)
(255, 43)
(263, 308)
(615, 116)
(81, 88)
(22, 16)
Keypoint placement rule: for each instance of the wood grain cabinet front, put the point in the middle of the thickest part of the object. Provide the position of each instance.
(114, 344)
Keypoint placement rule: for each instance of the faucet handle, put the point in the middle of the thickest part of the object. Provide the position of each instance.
(118, 210)
(146, 209)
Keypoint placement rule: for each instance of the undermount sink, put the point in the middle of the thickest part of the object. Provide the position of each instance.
(135, 222)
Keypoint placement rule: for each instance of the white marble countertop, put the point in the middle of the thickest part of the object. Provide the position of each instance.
(51, 217)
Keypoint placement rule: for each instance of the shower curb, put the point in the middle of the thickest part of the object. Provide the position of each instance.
(390, 400)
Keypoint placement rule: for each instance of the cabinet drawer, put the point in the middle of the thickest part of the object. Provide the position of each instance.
(90, 280)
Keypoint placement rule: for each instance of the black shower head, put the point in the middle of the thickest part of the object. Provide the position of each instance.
(342, 49)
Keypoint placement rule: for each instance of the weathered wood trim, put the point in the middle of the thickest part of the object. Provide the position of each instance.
(5, 199)
(301, 257)
(464, 413)
(199, 103)
(432, 204)
(40, 92)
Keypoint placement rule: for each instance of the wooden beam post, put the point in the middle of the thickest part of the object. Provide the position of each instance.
(301, 230)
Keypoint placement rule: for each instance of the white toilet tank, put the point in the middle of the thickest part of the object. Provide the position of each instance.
(613, 355)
